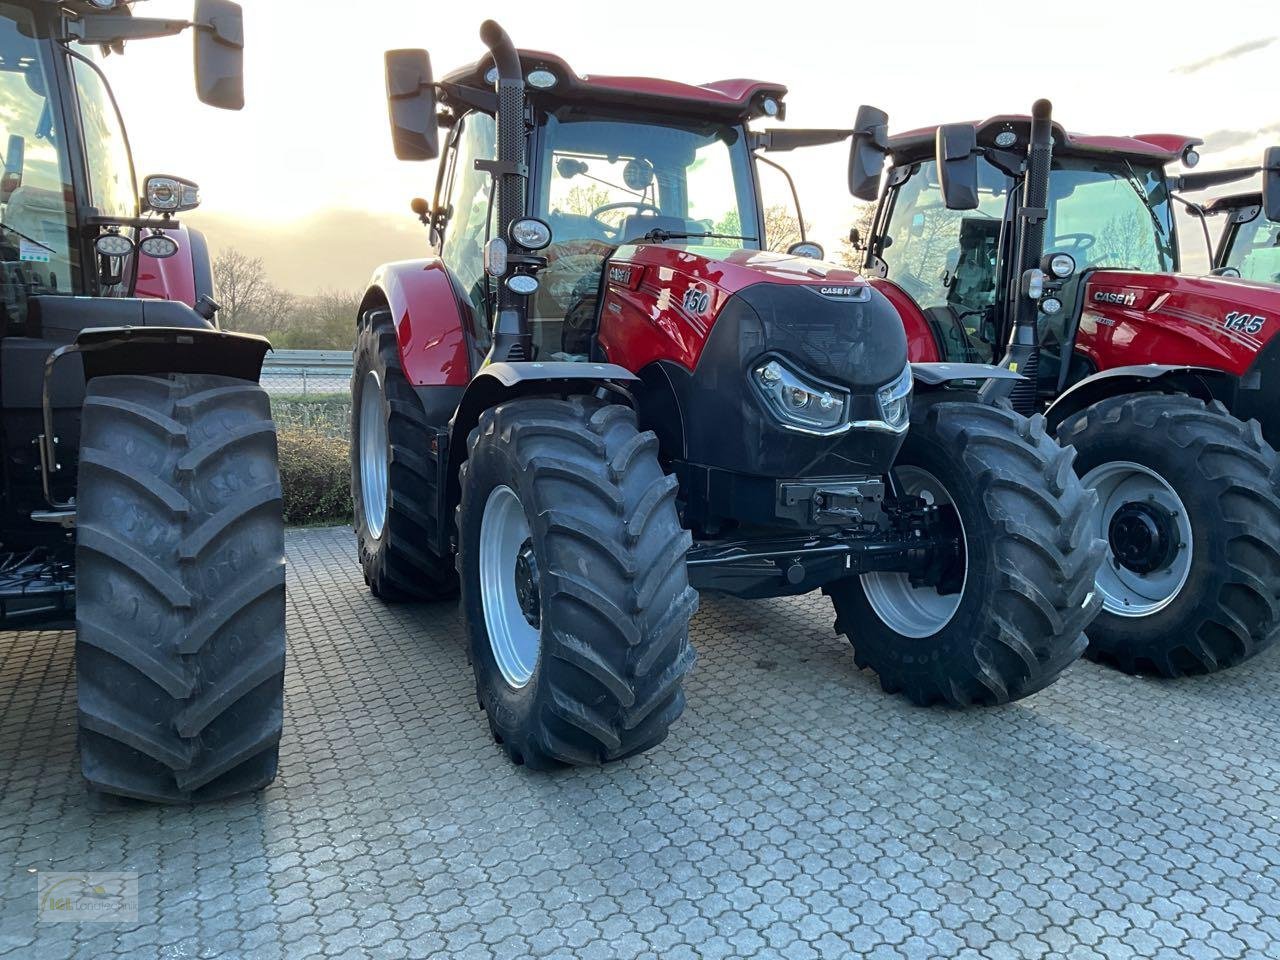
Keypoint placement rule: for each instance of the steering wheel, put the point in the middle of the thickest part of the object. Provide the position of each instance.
(640, 206)
(1078, 241)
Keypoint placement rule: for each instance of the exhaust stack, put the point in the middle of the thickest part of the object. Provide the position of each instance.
(1023, 352)
(512, 340)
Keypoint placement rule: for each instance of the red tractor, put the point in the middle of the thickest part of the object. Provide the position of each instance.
(1055, 254)
(605, 394)
(141, 494)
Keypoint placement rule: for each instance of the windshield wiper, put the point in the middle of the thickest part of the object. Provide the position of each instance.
(19, 233)
(657, 235)
(1136, 185)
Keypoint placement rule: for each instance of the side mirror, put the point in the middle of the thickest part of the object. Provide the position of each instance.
(957, 158)
(169, 195)
(867, 152)
(1271, 183)
(219, 32)
(411, 104)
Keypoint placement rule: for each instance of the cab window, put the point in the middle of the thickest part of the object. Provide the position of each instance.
(112, 187)
(37, 255)
(948, 260)
(470, 204)
(1255, 250)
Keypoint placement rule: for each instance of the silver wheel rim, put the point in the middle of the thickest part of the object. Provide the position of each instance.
(1125, 592)
(915, 612)
(515, 642)
(373, 455)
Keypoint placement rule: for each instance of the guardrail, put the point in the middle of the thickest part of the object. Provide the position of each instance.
(307, 372)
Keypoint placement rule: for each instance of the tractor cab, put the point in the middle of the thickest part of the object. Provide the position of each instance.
(609, 162)
(1108, 206)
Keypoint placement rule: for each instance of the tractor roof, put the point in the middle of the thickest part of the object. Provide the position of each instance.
(1149, 147)
(728, 100)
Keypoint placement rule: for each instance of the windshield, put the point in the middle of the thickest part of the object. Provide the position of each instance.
(36, 254)
(604, 181)
(1255, 250)
(1109, 214)
(613, 180)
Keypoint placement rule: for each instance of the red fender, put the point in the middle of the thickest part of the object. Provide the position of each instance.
(428, 319)
(173, 278)
(922, 347)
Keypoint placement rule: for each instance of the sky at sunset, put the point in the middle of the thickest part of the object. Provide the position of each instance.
(304, 176)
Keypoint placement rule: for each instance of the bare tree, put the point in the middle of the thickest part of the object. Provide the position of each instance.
(239, 282)
(847, 255)
(250, 303)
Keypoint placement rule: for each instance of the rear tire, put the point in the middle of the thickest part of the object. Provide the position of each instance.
(1027, 595)
(1222, 480)
(180, 588)
(592, 670)
(395, 524)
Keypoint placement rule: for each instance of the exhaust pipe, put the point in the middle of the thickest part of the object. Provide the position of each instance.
(1023, 353)
(511, 336)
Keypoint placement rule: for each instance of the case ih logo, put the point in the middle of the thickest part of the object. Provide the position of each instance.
(840, 291)
(1114, 296)
(1244, 322)
(620, 275)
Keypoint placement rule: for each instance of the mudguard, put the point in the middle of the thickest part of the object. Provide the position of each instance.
(1204, 383)
(497, 382)
(428, 313)
(109, 351)
(930, 375)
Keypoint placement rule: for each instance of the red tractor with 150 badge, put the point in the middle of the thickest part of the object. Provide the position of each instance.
(605, 393)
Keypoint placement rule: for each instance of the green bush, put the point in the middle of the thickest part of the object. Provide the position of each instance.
(315, 471)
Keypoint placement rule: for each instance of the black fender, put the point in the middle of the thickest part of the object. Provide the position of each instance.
(496, 383)
(110, 351)
(1203, 383)
(934, 376)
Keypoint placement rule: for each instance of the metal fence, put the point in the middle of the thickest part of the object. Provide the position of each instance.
(307, 373)
(310, 390)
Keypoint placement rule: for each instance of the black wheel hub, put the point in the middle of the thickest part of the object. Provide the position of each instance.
(527, 587)
(1143, 536)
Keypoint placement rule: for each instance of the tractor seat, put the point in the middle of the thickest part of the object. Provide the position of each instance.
(638, 224)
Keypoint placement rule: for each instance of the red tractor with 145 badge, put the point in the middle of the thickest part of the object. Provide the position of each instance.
(1015, 238)
(604, 393)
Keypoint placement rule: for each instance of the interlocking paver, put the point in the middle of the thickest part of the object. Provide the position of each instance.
(796, 811)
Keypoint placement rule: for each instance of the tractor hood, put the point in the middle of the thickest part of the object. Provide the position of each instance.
(1213, 321)
(701, 323)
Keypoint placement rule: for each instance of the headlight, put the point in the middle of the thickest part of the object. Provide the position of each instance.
(113, 245)
(530, 233)
(158, 246)
(799, 402)
(895, 400)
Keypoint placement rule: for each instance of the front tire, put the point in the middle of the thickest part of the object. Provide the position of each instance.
(1025, 593)
(180, 576)
(574, 587)
(1190, 506)
(392, 489)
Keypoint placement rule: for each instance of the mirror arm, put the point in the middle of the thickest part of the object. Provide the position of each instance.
(107, 29)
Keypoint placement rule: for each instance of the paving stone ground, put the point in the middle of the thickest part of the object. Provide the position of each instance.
(796, 811)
